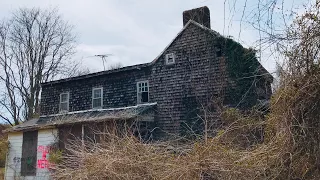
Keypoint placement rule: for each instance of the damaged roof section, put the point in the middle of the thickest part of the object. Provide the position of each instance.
(142, 112)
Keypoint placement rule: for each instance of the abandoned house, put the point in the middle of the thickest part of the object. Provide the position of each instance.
(198, 71)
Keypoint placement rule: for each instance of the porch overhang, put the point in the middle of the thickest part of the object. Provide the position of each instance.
(141, 112)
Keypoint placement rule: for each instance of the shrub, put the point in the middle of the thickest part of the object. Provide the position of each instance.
(1, 173)
(3, 152)
(241, 130)
(3, 146)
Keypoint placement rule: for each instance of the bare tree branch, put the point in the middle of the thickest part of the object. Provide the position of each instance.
(35, 47)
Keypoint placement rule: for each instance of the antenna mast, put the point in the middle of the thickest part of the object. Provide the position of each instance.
(104, 59)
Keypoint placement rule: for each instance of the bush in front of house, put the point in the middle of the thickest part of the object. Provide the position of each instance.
(3, 146)
(125, 157)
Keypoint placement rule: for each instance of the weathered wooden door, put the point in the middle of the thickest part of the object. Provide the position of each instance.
(29, 153)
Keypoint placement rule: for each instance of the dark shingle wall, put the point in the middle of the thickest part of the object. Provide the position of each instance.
(179, 89)
(119, 90)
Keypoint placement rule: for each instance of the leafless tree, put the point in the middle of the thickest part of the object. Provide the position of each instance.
(35, 47)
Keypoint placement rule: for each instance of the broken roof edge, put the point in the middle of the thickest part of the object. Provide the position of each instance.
(33, 123)
(97, 110)
(55, 125)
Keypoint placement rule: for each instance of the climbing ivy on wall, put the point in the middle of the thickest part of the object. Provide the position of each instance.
(242, 66)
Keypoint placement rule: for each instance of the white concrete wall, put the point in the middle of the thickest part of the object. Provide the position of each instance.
(13, 164)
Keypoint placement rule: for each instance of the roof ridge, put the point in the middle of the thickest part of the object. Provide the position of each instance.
(131, 67)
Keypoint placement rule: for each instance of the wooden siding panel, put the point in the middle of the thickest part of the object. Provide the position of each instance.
(13, 164)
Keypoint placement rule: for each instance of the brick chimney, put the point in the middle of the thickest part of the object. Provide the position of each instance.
(201, 15)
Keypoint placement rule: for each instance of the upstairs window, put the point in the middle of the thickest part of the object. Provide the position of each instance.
(64, 102)
(219, 50)
(142, 92)
(97, 94)
(170, 58)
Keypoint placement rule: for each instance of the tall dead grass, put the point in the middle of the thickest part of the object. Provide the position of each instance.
(127, 158)
(226, 156)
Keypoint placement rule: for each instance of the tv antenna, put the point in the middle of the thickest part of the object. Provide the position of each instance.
(104, 59)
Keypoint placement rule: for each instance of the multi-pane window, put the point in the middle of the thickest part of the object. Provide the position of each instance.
(142, 92)
(64, 102)
(170, 58)
(97, 96)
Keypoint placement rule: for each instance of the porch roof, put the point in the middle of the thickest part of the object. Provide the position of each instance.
(143, 112)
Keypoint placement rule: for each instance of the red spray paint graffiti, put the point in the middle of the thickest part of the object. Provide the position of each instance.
(43, 162)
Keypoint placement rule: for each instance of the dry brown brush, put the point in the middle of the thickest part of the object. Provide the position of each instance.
(290, 148)
(127, 158)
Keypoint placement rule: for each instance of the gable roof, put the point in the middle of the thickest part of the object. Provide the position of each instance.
(139, 66)
(134, 67)
(181, 31)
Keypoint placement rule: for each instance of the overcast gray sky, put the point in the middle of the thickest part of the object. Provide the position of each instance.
(136, 31)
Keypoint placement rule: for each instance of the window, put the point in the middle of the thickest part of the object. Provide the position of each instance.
(97, 94)
(29, 153)
(64, 102)
(219, 50)
(142, 92)
(170, 59)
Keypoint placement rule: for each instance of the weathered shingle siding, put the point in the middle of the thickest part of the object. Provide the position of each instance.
(180, 88)
(119, 90)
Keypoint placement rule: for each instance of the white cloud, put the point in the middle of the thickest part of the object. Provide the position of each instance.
(137, 31)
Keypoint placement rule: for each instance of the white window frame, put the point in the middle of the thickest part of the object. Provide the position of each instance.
(68, 94)
(93, 89)
(167, 58)
(139, 100)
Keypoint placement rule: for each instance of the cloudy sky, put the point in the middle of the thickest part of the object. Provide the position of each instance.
(136, 31)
